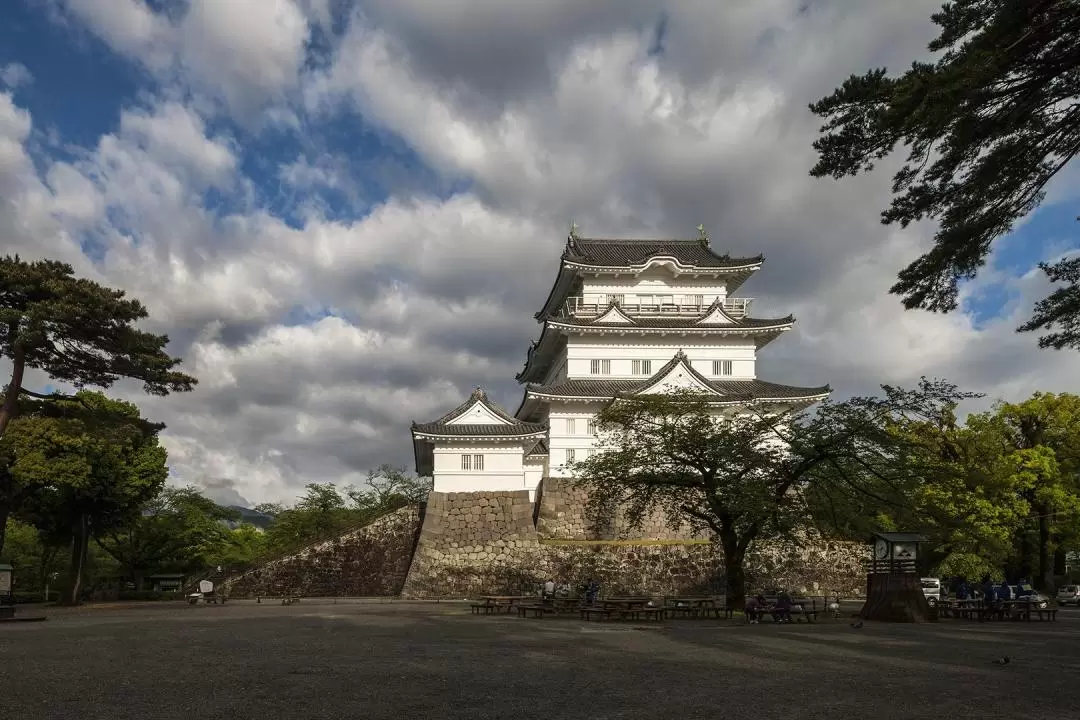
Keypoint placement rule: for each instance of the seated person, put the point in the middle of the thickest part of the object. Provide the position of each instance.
(782, 610)
(549, 590)
(754, 604)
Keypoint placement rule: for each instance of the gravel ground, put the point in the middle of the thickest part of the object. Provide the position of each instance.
(424, 660)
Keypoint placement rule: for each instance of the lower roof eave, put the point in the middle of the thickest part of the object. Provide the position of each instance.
(505, 438)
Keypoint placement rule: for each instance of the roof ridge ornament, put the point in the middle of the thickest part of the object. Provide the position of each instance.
(478, 394)
(572, 237)
(703, 237)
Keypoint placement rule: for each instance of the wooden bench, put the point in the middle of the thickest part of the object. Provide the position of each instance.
(290, 599)
(718, 612)
(535, 610)
(649, 613)
(1046, 613)
(685, 610)
(801, 609)
(587, 613)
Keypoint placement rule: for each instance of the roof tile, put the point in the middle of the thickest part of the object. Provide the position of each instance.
(606, 252)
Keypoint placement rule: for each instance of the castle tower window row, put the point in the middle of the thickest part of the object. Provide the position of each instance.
(600, 367)
(622, 318)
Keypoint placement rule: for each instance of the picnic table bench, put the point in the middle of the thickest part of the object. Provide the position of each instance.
(697, 607)
(801, 609)
(290, 599)
(535, 610)
(498, 603)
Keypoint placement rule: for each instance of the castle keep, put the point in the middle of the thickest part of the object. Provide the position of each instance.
(623, 317)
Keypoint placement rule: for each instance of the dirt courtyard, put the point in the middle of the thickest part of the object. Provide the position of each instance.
(425, 660)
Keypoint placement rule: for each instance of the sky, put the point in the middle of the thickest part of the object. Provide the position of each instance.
(344, 215)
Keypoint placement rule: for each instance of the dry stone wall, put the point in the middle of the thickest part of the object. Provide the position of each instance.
(487, 543)
(371, 561)
(561, 515)
(470, 544)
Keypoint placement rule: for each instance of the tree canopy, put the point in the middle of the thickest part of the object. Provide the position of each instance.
(79, 467)
(77, 332)
(987, 126)
(746, 474)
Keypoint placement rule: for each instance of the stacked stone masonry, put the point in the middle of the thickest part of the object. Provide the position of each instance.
(371, 561)
(470, 544)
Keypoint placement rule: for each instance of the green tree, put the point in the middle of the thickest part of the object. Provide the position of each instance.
(1042, 435)
(325, 510)
(83, 466)
(987, 125)
(242, 546)
(967, 500)
(387, 488)
(178, 530)
(745, 474)
(75, 331)
(320, 512)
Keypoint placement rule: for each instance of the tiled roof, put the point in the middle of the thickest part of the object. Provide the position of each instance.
(515, 428)
(740, 390)
(677, 323)
(540, 448)
(604, 252)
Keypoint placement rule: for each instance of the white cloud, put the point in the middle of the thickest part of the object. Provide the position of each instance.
(246, 53)
(316, 344)
(15, 75)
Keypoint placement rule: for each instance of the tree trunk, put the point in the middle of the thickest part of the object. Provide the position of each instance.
(1027, 553)
(734, 573)
(1060, 561)
(1046, 570)
(11, 397)
(5, 511)
(896, 598)
(79, 547)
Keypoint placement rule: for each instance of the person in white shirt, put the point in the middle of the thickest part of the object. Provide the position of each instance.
(549, 589)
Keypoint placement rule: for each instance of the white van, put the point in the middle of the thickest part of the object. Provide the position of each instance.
(933, 590)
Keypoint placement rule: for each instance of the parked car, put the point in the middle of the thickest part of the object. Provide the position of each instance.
(1037, 599)
(934, 590)
(1068, 595)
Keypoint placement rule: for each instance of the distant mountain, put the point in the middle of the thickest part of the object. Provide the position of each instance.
(251, 517)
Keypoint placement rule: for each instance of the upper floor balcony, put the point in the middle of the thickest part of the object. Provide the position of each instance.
(653, 305)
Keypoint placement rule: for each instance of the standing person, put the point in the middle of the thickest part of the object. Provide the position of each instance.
(592, 589)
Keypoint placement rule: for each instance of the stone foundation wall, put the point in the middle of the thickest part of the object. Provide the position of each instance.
(561, 515)
(371, 561)
(468, 540)
(472, 544)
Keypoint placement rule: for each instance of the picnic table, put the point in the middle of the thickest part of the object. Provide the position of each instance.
(625, 608)
(498, 603)
(802, 608)
(702, 606)
(1009, 609)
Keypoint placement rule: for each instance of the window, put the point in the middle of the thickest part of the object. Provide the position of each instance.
(621, 299)
(466, 462)
(478, 462)
(642, 367)
(692, 300)
(571, 426)
(721, 367)
(600, 367)
(590, 427)
(570, 455)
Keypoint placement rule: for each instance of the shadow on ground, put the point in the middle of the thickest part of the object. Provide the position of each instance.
(407, 661)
